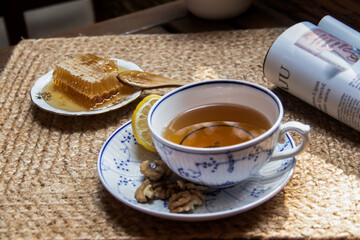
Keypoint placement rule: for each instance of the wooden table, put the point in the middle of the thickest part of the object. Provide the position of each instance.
(173, 17)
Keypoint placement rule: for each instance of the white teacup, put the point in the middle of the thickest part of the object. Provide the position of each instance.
(223, 166)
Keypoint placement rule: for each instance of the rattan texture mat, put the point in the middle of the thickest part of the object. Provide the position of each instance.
(49, 187)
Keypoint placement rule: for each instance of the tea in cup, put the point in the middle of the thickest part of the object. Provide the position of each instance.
(216, 125)
(220, 132)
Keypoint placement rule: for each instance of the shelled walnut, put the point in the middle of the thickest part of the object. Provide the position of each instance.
(144, 192)
(183, 196)
(157, 172)
(163, 189)
(185, 201)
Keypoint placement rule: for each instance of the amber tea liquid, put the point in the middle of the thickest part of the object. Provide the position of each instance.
(216, 125)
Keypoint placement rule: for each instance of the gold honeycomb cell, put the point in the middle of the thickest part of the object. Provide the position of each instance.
(88, 80)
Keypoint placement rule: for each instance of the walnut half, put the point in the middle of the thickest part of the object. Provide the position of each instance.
(157, 172)
(163, 189)
(144, 192)
(185, 201)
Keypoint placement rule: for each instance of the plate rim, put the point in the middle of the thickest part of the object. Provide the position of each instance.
(46, 78)
(193, 216)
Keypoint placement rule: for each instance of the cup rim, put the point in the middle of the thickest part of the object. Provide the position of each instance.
(229, 148)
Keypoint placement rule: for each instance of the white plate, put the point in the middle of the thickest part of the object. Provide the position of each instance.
(36, 91)
(118, 168)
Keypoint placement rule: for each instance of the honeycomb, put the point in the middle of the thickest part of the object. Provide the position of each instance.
(88, 80)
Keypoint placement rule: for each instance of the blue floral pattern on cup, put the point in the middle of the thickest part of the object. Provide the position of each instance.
(209, 164)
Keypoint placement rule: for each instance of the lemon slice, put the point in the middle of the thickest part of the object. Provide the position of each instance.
(139, 122)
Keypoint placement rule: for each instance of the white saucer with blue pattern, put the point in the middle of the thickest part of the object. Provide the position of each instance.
(119, 171)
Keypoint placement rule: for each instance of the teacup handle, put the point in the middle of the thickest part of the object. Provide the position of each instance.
(302, 129)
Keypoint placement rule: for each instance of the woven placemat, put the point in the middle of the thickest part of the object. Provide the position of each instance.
(49, 186)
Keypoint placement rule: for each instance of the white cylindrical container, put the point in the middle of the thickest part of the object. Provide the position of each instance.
(319, 68)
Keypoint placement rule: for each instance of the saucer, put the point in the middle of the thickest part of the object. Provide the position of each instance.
(119, 171)
(36, 94)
